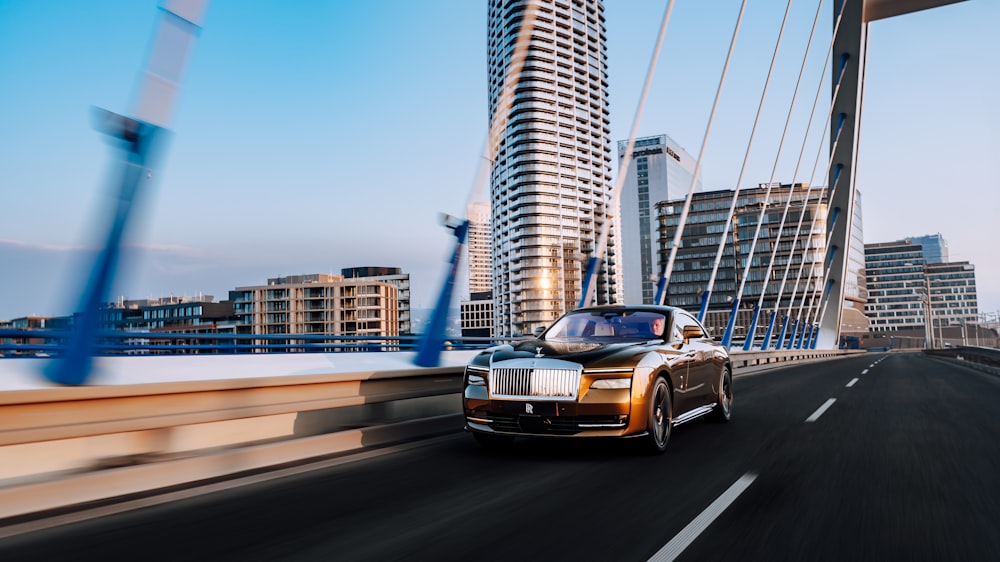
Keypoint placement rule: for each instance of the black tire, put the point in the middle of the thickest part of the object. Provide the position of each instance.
(723, 411)
(661, 417)
(493, 442)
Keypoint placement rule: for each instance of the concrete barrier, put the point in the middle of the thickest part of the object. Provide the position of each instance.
(166, 421)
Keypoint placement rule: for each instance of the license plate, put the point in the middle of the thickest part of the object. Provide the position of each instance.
(529, 408)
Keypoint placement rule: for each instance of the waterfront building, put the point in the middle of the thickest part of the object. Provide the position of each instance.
(317, 304)
(954, 300)
(908, 291)
(478, 248)
(550, 182)
(30, 324)
(169, 314)
(897, 285)
(477, 315)
(393, 276)
(659, 170)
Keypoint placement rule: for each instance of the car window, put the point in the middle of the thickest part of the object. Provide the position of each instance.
(608, 325)
(681, 320)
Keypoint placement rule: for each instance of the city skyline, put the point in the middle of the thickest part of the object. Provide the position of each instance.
(304, 141)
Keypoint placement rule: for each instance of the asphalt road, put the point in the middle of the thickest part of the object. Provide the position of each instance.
(901, 465)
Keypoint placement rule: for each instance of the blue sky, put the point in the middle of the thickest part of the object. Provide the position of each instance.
(314, 136)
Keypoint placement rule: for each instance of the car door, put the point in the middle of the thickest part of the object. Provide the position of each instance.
(681, 368)
(701, 366)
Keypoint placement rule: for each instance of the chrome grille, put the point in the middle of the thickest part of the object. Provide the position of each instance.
(557, 383)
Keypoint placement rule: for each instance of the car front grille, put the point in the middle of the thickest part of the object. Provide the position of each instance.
(531, 382)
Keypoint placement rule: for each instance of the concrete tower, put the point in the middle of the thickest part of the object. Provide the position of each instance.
(550, 182)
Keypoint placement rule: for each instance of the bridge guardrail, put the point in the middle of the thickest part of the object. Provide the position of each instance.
(982, 358)
(16, 343)
(87, 435)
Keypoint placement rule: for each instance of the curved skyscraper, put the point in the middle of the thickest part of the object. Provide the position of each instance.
(550, 183)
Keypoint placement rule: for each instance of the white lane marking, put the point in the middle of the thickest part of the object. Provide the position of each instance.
(688, 534)
(854, 380)
(872, 366)
(865, 372)
(819, 412)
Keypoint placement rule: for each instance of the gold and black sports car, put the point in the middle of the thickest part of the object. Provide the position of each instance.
(608, 371)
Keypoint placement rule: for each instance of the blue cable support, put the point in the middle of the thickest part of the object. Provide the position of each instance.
(767, 334)
(429, 350)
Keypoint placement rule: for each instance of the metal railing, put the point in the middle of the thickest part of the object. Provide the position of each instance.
(52, 343)
(982, 358)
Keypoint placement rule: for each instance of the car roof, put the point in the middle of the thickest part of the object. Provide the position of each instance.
(636, 307)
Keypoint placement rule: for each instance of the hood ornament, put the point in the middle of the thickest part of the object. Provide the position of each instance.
(538, 352)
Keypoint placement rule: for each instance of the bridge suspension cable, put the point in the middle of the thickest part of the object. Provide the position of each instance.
(707, 294)
(667, 268)
(727, 337)
(798, 229)
(751, 332)
(602, 241)
(794, 340)
(788, 201)
(432, 342)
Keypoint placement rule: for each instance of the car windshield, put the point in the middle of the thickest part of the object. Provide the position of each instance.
(605, 326)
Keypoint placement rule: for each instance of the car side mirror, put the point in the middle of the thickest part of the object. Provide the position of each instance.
(538, 331)
(691, 332)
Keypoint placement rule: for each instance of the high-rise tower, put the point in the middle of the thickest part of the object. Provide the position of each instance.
(659, 170)
(478, 248)
(550, 183)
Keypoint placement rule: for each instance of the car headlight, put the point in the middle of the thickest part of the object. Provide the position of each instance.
(612, 383)
(476, 375)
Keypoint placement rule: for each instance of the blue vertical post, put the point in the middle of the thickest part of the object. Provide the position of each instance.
(753, 329)
(705, 297)
(770, 330)
(141, 138)
(727, 338)
(429, 350)
(587, 279)
(802, 334)
(795, 334)
(815, 337)
(784, 332)
(836, 180)
(140, 142)
(661, 289)
(832, 220)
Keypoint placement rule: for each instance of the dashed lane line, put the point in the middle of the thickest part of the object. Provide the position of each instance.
(682, 540)
(819, 412)
(854, 380)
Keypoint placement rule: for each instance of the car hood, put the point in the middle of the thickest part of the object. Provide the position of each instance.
(588, 354)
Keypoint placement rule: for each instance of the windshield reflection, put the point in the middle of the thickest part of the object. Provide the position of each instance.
(607, 326)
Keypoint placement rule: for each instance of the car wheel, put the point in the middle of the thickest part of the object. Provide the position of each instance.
(661, 416)
(493, 442)
(723, 411)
